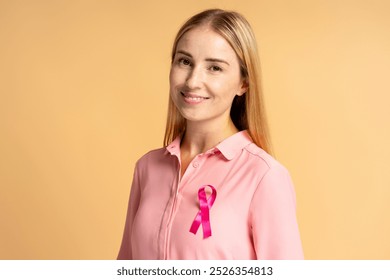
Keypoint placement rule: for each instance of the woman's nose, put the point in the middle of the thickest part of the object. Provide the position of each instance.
(194, 78)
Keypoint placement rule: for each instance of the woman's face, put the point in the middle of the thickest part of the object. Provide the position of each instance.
(205, 76)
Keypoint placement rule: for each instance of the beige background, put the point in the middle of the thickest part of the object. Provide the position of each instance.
(83, 94)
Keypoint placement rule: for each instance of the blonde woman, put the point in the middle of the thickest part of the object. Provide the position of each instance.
(213, 191)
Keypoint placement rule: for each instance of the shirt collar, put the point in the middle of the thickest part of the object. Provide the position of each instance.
(174, 147)
(232, 145)
(229, 147)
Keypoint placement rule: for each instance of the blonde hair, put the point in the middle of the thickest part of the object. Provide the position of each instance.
(247, 111)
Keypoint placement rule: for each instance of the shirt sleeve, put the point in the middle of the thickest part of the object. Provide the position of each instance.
(125, 252)
(273, 217)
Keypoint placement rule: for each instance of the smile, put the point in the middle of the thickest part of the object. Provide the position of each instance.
(193, 99)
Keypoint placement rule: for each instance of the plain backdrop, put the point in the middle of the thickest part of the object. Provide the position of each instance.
(84, 90)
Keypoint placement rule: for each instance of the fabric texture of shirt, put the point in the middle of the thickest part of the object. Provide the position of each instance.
(253, 216)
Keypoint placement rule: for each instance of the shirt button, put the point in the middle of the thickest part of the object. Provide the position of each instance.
(195, 164)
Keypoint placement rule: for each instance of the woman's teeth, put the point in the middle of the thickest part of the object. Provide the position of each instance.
(194, 98)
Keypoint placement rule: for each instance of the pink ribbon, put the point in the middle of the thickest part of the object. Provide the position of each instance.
(203, 216)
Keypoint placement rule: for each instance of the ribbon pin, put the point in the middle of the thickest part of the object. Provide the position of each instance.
(203, 216)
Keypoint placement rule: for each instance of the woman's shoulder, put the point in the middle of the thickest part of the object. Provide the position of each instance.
(261, 157)
(271, 173)
(152, 156)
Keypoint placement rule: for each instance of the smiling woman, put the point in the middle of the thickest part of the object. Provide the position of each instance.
(205, 78)
(214, 174)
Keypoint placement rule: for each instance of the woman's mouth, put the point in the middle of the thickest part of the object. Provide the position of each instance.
(193, 98)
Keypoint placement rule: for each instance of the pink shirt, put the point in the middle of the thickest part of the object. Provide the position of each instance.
(253, 216)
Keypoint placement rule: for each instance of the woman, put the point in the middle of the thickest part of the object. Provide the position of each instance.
(213, 192)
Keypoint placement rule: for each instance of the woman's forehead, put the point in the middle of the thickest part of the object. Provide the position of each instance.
(203, 41)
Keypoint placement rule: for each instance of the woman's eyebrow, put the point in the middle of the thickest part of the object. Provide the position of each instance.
(217, 60)
(185, 53)
(207, 59)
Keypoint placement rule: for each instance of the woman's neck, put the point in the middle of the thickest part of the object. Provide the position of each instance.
(200, 138)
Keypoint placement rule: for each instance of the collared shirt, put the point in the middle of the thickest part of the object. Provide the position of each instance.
(253, 216)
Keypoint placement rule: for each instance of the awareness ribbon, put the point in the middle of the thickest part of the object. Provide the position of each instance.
(203, 216)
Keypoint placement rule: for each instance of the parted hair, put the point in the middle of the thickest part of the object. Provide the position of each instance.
(247, 111)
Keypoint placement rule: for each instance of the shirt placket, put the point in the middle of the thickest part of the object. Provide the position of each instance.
(180, 183)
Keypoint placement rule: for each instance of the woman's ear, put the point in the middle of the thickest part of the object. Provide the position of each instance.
(244, 87)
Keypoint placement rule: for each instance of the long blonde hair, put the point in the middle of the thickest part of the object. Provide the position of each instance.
(247, 111)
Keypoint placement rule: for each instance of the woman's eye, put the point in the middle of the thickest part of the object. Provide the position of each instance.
(215, 68)
(184, 61)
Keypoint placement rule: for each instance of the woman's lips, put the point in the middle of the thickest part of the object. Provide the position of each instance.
(192, 98)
